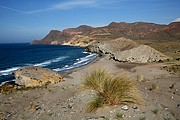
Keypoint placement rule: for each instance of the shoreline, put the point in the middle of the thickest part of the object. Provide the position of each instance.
(81, 67)
(66, 100)
(60, 72)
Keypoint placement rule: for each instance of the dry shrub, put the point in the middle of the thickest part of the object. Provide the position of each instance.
(110, 90)
(153, 87)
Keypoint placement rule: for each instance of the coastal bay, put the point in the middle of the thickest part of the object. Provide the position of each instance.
(67, 101)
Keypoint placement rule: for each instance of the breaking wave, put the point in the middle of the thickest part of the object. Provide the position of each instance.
(79, 62)
(42, 64)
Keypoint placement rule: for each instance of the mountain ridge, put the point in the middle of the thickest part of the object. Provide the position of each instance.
(85, 35)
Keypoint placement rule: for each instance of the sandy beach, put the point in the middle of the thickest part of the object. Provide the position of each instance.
(67, 101)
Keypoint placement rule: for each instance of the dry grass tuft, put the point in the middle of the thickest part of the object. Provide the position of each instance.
(96, 103)
(153, 87)
(110, 90)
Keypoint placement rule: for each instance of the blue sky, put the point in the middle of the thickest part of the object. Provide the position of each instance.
(25, 20)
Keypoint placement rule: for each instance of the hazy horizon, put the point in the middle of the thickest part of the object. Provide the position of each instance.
(24, 21)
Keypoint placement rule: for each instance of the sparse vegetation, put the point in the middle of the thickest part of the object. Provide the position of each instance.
(119, 116)
(95, 104)
(153, 87)
(142, 118)
(1, 114)
(33, 107)
(141, 78)
(110, 90)
(167, 118)
(7, 89)
(172, 86)
(175, 69)
(156, 111)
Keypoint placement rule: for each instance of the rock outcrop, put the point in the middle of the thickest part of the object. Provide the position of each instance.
(140, 54)
(32, 76)
(126, 50)
(112, 46)
(86, 35)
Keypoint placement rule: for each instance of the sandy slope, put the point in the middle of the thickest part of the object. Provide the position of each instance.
(66, 101)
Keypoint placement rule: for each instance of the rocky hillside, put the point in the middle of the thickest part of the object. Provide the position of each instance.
(126, 50)
(86, 35)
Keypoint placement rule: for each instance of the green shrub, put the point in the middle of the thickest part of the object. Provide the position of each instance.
(110, 90)
(119, 116)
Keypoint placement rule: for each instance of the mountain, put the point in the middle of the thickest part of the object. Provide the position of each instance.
(85, 35)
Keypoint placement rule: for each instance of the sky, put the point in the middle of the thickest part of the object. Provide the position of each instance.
(26, 20)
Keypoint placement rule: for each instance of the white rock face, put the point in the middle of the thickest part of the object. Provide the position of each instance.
(126, 50)
(142, 54)
(55, 43)
(119, 44)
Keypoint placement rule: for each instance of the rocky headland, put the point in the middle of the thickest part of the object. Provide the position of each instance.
(34, 76)
(118, 39)
(126, 50)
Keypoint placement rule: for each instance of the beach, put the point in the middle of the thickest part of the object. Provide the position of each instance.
(67, 100)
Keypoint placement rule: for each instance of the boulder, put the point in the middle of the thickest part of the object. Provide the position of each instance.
(33, 76)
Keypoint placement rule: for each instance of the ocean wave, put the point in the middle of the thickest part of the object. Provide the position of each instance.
(9, 71)
(80, 62)
(85, 52)
(48, 62)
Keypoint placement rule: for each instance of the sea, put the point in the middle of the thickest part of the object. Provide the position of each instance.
(57, 57)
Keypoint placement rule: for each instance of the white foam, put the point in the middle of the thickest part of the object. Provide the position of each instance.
(85, 52)
(66, 65)
(8, 71)
(80, 62)
(43, 64)
(48, 62)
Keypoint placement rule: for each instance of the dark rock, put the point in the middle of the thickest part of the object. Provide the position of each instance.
(178, 106)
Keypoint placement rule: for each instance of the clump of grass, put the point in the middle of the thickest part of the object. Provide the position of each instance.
(33, 107)
(172, 86)
(110, 90)
(153, 87)
(96, 103)
(11, 87)
(7, 89)
(119, 116)
(1, 114)
(142, 118)
(167, 118)
(156, 111)
(140, 78)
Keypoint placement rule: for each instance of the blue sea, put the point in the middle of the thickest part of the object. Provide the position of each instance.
(57, 57)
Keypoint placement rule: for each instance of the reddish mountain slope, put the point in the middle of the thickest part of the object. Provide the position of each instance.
(85, 35)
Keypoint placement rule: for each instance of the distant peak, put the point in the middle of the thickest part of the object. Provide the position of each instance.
(55, 31)
(113, 23)
(84, 26)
